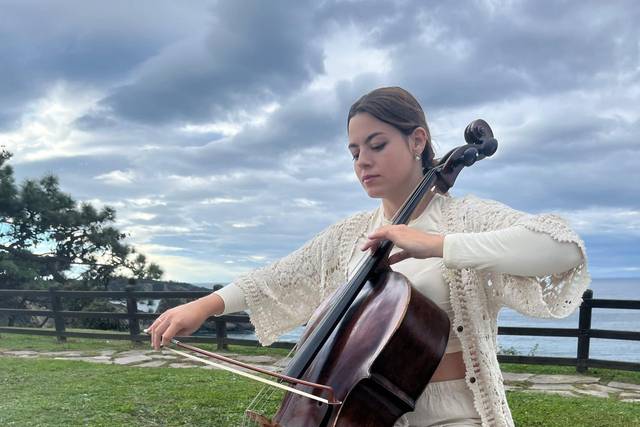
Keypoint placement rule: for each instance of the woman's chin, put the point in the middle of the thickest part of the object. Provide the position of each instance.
(373, 193)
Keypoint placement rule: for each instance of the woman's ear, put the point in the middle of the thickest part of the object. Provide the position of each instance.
(419, 138)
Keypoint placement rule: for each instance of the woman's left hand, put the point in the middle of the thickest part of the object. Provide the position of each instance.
(414, 243)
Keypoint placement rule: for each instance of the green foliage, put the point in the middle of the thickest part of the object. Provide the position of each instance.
(63, 393)
(48, 238)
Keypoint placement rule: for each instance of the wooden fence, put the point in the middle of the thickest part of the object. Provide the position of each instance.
(584, 332)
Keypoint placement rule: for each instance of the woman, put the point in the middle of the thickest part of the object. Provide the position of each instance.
(470, 256)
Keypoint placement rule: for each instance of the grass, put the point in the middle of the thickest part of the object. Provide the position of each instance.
(605, 375)
(45, 392)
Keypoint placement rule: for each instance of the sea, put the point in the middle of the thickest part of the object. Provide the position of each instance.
(602, 318)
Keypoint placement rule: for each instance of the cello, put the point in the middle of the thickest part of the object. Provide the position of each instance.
(375, 343)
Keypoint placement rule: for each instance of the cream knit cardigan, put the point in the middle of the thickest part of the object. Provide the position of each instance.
(284, 295)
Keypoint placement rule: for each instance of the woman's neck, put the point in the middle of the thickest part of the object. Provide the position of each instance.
(389, 209)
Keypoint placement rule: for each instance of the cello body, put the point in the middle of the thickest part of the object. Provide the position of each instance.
(389, 326)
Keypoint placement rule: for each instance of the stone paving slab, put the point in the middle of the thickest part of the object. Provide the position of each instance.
(87, 359)
(135, 352)
(629, 395)
(19, 353)
(61, 354)
(515, 377)
(152, 364)
(603, 388)
(257, 359)
(625, 386)
(562, 379)
(594, 393)
(182, 365)
(561, 385)
(548, 387)
(129, 360)
(564, 393)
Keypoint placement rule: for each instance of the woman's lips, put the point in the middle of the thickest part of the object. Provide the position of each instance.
(368, 178)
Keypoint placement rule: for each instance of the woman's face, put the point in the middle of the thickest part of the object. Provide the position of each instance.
(383, 158)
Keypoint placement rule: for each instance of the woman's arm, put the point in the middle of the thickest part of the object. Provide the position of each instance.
(514, 250)
(233, 298)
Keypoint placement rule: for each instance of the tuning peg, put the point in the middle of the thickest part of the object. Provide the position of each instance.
(470, 156)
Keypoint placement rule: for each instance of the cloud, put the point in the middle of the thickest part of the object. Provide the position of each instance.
(218, 131)
(117, 177)
(249, 55)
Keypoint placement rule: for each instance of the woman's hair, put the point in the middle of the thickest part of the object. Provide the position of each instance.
(397, 107)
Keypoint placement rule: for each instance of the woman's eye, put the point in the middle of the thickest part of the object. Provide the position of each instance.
(378, 147)
(355, 156)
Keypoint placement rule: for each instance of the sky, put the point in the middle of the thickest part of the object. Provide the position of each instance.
(217, 129)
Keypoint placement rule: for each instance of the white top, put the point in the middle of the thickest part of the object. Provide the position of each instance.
(506, 250)
(285, 294)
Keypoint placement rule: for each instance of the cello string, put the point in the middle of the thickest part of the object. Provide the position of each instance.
(343, 290)
(262, 398)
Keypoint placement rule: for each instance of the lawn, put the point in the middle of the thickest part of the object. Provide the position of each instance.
(45, 392)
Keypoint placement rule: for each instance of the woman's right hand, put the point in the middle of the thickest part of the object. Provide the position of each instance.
(184, 319)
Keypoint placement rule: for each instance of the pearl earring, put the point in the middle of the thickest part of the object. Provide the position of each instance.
(418, 157)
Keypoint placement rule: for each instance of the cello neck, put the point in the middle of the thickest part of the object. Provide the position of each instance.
(367, 271)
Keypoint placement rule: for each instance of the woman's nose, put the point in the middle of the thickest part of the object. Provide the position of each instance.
(363, 160)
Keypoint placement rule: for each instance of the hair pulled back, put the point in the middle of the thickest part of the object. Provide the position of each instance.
(397, 107)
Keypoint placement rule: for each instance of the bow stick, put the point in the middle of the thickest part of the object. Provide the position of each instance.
(330, 401)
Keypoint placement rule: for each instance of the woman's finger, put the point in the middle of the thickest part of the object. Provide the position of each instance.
(171, 332)
(156, 334)
(398, 256)
(370, 244)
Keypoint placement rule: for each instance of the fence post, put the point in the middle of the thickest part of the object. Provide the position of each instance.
(221, 333)
(221, 328)
(132, 311)
(56, 307)
(584, 332)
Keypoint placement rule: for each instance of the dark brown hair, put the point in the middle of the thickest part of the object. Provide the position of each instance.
(397, 107)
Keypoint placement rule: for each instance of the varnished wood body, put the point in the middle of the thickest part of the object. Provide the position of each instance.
(378, 360)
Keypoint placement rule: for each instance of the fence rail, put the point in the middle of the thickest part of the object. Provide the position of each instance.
(584, 332)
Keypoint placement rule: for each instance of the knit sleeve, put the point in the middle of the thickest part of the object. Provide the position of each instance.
(233, 299)
(514, 250)
(543, 291)
(284, 294)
